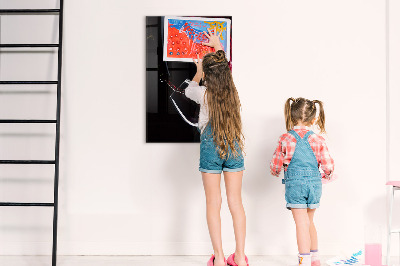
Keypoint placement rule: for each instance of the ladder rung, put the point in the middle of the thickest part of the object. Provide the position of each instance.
(33, 45)
(38, 204)
(27, 161)
(28, 11)
(29, 82)
(26, 121)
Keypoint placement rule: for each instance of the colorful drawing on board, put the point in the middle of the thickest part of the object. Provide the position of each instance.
(183, 37)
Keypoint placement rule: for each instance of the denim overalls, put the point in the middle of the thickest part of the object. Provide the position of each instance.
(302, 181)
(211, 162)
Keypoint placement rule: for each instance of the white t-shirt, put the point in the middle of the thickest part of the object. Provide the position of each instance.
(196, 93)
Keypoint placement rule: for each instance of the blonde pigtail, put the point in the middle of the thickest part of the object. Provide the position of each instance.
(321, 116)
(288, 114)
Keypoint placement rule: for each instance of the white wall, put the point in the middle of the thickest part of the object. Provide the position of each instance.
(120, 195)
(394, 110)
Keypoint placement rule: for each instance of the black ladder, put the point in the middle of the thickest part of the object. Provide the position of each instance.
(57, 82)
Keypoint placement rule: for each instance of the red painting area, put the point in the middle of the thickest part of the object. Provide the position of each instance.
(181, 46)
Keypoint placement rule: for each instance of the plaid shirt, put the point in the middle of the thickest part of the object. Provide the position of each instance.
(287, 144)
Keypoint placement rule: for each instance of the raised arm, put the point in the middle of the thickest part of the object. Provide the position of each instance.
(194, 91)
(199, 72)
(213, 41)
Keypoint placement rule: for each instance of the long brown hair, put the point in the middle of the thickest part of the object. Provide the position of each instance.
(303, 110)
(223, 104)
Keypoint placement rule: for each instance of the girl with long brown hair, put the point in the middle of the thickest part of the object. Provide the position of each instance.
(302, 153)
(220, 147)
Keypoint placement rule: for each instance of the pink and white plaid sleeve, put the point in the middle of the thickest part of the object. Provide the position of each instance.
(278, 158)
(325, 160)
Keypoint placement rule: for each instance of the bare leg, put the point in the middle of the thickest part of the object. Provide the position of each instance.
(233, 183)
(212, 188)
(313, 230)
(302, 221)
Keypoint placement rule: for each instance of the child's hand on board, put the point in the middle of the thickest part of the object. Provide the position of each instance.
(213, 39)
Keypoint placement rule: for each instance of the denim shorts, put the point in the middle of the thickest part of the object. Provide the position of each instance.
(303, 193)
(210, 160)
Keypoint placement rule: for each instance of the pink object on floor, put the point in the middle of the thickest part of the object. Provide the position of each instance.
(211, 260)
(393, 183)
(231, 260)
(373, 254)
(326, 181)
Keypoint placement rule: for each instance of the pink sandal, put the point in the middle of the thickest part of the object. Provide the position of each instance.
(211, 261)
(231, 260)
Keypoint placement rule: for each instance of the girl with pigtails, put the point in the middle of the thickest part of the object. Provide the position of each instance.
(302, 154)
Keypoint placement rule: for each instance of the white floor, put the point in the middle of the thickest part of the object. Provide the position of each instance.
(143, 260)
(136, 260)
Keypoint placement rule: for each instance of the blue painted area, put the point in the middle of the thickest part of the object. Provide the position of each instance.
(198, 28)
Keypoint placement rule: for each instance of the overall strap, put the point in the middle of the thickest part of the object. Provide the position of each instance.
(308, 134)
(294, 133)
